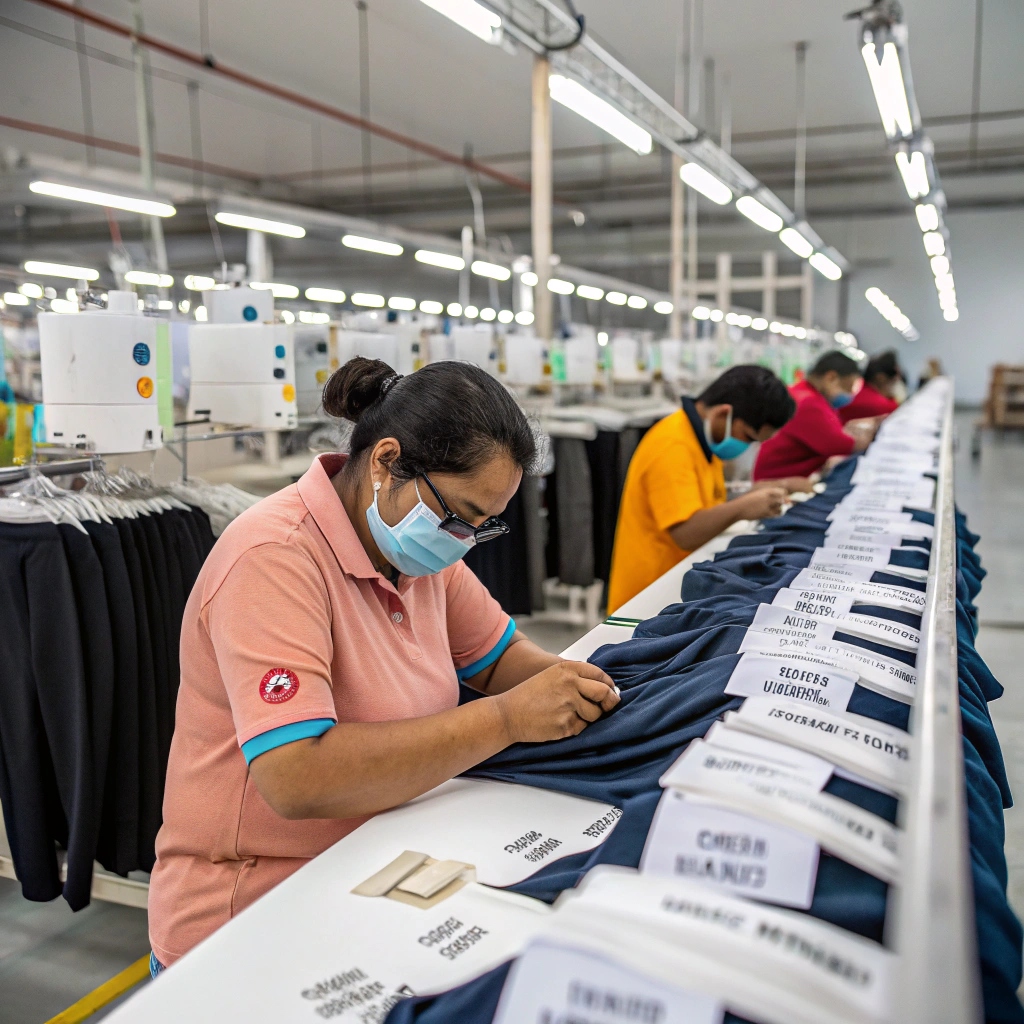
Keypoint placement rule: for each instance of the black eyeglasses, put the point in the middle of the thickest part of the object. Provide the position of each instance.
(489, 529)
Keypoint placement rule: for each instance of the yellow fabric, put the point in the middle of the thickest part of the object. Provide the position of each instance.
(668, 480)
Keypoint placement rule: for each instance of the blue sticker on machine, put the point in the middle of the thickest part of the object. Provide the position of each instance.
(141, 353)
(249, 313)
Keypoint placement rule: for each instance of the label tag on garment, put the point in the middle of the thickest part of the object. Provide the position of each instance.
(731, 851)
(833, 538)
(869, 627)
(841, 570)
(556, 984)
(798, 677)
(885, 594)
(884, 675)
(857, 836)
(872, 749)
(825, 604)
(786, 624)
(866, 555)
(702, 765)
(811, 962)
(875, 524)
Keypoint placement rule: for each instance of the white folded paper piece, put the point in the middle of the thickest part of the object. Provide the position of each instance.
(767, 964)
(872, 749)
(737, 853)
(886, 594)
(801, 676)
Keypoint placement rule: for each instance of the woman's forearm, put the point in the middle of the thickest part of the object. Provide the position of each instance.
(361, 768)
(521, 659)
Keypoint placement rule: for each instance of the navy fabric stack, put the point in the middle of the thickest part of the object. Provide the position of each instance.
(673, 674)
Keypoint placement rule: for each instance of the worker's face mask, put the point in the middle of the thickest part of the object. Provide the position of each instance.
(415, 546)
(844, 398)
(728, 448)
(899, 391)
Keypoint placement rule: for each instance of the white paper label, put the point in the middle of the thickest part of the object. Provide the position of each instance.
(883, 675)
(857, 554)
(873, 749)
(785, 624)
(555, 984)
(835, 538)
(886, 594)
(731, 851)
(814, 602)
(895, 634)
(838, 570)
(806, 679)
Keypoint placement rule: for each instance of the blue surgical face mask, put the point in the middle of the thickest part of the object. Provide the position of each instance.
(728, 448)
(843, 398)
(415, 546)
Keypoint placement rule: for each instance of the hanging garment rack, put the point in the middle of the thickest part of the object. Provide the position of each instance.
(14, 474)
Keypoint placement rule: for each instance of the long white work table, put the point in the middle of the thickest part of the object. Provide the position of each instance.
(312, 949)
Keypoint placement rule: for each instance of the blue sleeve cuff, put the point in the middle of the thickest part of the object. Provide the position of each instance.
(491, 656)
(285, 734)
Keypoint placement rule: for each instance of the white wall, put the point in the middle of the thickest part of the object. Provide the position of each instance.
(987, 253)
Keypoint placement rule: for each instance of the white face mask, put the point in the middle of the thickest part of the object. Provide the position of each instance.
(899, 392)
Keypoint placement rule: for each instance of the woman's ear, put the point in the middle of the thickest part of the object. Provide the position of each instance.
(382, 457)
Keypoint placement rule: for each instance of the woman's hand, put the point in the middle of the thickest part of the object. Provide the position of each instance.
(558, 702)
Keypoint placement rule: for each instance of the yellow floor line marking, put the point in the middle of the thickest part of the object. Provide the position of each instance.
(105, 993)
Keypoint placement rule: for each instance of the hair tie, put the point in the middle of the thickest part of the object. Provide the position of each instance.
(389, 384)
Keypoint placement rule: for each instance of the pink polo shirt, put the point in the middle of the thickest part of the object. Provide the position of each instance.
(289, 625)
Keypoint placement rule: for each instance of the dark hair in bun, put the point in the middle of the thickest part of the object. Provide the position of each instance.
(449, 417)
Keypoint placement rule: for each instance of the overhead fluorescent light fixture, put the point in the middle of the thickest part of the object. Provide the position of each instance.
(270, 227)
(287, 316)
(198, 283)
(617, 298)
(889, 89)
(826, 267)
(401, 302)
(939, 265)
(325, 295)
(597, 111)
(440, 259)
(896, 317)
(927, 216)
(759, 323)
(31, 289)
(487, 314)
(367, 299)
(151, 207)
(914, 171)
(201, 314)
(279, 291)
(471, 312)
(636, 302)
(792, 239)
(588, 291)
(706, 183)
(529, 278)
(505, 316)
(148, 277)
(493, 270)
(759, 214)
(372, 245)
(524, 317)
(560, 287)
(307, 316)
(432, 306)
(454, 309)
(701, 313)
(60, 270)
(934, 243)
(471, 16)
(717, 316)
(63, 306)
(16, 299)
(952, 314)
(663, 307)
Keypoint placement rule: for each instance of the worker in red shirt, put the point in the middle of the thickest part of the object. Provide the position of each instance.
(877, 397)
(815, 435)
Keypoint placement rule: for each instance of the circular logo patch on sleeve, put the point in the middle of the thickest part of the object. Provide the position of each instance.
(279, 685)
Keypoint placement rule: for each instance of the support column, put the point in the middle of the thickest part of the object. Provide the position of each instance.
(540, 196)
(144, 117)
(723, 291)
(807, 296)
(258, 257)
(770, 273)
(675, 319)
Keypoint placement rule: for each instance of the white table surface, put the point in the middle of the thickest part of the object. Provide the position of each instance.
(258, 964)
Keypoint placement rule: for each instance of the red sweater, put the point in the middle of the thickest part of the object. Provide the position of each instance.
(868, 401)
(801, 447)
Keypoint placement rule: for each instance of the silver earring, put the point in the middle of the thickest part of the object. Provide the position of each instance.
(376, 487)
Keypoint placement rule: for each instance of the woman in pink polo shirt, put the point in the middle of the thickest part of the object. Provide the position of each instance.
(323, 644)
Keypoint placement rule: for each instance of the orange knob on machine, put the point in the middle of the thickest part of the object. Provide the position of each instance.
(144, 386)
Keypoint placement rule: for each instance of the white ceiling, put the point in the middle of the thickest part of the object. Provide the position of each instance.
(434, 81)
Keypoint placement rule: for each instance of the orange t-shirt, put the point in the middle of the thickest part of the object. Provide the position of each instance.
(671, 476)
(290, 623)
